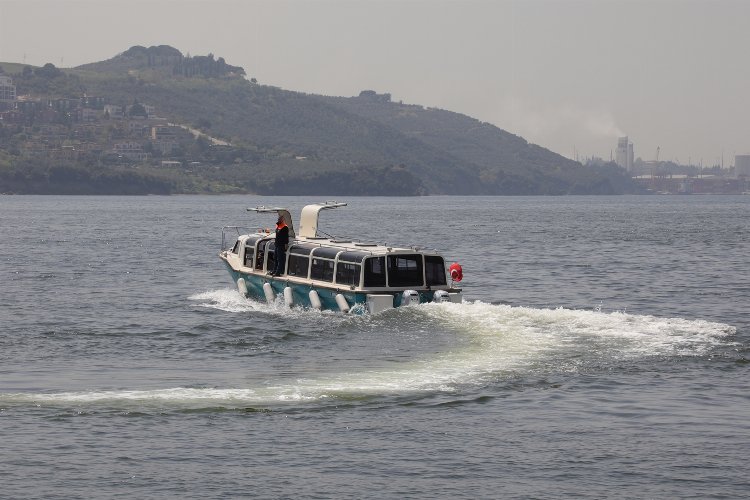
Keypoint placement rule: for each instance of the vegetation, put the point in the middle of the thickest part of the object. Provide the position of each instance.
(282, 142)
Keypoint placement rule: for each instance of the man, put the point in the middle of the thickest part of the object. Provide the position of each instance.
(282, 242)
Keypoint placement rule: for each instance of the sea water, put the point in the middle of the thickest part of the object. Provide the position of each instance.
(601, 351)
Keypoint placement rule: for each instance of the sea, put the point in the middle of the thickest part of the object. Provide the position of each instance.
(602, 350)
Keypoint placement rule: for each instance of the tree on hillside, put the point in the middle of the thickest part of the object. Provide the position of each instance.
(205, 66)
(137, 109)
(48, 71)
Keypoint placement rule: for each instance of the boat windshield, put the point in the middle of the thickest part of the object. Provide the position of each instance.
(405, 270)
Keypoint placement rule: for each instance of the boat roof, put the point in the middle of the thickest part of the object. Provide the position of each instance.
(307, 240)
(330, 247)
(283, 212)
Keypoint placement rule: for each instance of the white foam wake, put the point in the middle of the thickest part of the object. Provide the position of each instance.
(500, 341)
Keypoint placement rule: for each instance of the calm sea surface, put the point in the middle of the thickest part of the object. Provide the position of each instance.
(602, 351)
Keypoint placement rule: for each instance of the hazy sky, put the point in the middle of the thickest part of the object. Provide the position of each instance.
(570, 75)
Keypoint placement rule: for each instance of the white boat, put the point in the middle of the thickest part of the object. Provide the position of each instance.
(325, 272)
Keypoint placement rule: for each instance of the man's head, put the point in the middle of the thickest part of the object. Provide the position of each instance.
(280, 219)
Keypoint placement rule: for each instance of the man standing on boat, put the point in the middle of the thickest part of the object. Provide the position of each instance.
(281, 243)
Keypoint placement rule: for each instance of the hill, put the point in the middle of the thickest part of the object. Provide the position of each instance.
(258, 138)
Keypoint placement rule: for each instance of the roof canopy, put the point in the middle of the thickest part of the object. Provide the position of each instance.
(308, 224)
(283, 212)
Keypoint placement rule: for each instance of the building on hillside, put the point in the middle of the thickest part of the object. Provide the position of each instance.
(165, 138)
(28, 105)
(12, 116)
(139, 128)
(113, 110)
(150, 110)
(166, 132)
(624, 153)
(64, 105)
(742, 165)
(93, 102)
(89, 114)
(7, 93)
(164, 148)
(130, 150)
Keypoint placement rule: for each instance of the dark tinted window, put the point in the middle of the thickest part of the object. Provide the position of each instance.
(321, 269)
(298, 265)
(375, 272)
(271, 251)
(236, 249)
(352, 256)
(405, 270)
(301, 249)
(347, 274)
(434, 270)
(261, 255)
(329, 253)
(249, 256)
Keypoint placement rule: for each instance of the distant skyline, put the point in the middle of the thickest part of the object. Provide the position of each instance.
(571, 76)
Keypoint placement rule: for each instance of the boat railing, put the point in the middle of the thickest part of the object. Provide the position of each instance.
(229, 235)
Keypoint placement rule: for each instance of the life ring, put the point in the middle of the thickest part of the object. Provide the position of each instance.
(456, 271)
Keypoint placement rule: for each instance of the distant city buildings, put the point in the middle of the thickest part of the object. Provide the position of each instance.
(624, 153)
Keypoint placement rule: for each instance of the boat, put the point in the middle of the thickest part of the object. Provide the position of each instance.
(328, 273)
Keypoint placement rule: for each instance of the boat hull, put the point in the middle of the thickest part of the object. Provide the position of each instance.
(357, 301)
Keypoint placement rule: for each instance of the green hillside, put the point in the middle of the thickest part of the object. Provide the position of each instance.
(281, 142)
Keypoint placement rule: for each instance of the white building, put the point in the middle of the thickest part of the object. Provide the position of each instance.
(7, 90)
(624, 153)
(130, 150)
(113, 111)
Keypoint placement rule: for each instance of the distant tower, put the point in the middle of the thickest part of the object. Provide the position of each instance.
(742, 165)
(624, 153)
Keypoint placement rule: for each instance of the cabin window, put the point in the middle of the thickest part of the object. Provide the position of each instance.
(271, 260)
(328, 253)
(236, 249)
(298, 265)
(249, 256)
(300, 249)
(347, 274)
(321, 269)
(357, 257)
(261, 254)
(375, 272)
(434, 270)
(405, 270)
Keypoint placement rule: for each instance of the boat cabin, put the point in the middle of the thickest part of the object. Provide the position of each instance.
(314, 263)
(354, 265)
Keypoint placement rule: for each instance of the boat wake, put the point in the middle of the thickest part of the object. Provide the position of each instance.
(498, 342)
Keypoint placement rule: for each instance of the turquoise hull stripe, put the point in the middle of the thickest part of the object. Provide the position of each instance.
(300, 292)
